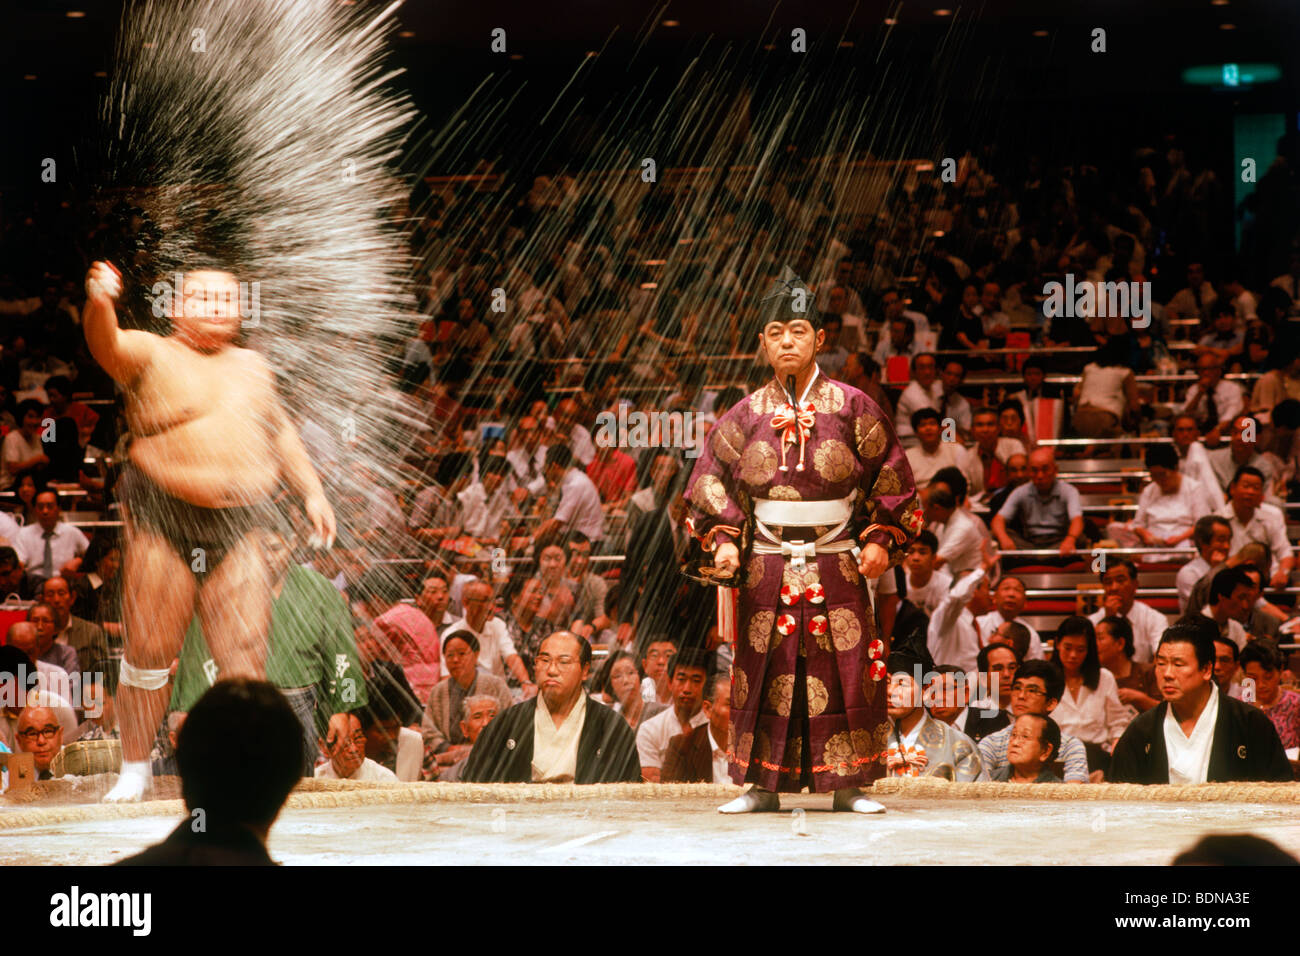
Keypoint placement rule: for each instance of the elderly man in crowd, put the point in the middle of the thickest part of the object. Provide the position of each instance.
(1037, 689)
(984, 463)
(63, 655)
(1197, 734)
(1046, 513)
(700, 755)
(87, 639)
(1193, 458)
(49, 677)
(445, 742)
(1031, 748)
(475, 714)
(497, 654)
(560, 735)
(1212, 536)
(347, 756)
(40, 734)
(1009, 600)
(1213, 401)
(923, 391)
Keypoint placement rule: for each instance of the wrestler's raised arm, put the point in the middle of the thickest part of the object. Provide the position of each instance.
(122, 353)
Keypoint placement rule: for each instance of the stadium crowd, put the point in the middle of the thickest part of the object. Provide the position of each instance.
(1107, 496)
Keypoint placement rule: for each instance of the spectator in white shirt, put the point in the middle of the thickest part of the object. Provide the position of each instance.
(926, 587)
(984, 463)
(1119, 581)
(348, 760)
(1193, 459)
(954, 636)
(1243, 449)
(952, 405)
(497, 654)
(933, 452)
(527, 455)
(1196, 299)
(579, 508)
(1253, 519)
(1212, 536)
(1213, 401)
(1008, 601)
(924, 391)
(688, 676)
(568, 431)
(895, 306)
(22, 449)
(1090, 708)
(962, 536)
(1170, 504)
(50, 546)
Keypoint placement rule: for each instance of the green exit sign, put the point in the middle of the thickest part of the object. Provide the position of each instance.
(1232, 74)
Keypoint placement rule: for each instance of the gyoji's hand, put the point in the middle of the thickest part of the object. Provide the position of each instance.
(103, 281)
(727, 559)
(873, 561)
(321, 516)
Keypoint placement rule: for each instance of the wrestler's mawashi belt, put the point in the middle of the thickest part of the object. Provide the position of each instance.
(802, 514)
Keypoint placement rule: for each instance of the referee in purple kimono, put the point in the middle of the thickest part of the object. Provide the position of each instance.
(805, 481)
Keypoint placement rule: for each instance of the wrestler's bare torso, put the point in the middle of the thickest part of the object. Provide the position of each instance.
(201, 424)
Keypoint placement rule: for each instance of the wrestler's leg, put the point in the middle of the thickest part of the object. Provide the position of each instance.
(235, 608)
(158, 592)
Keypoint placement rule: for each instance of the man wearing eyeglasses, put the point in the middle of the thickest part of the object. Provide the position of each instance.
(41, 735)
(1036, 689)
(559, 736)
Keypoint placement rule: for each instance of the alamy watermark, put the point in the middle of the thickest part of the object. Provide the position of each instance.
(1088, 299)
(648, 430)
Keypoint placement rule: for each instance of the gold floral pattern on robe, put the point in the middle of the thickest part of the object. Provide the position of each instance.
(739, 688)
(754, 574)
(845, 629)
(834, 460)
(871, 435)
(780, 694)
(838, 755)
(709, 495)
(784, 493)
(818, 698)
(760, 630)
(887, 482)
(848, 567)
(727, 440)
(758, 464)
(827, 396)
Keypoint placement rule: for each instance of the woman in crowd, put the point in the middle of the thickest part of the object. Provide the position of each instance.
(620, 687)
(1262, 662)
(1169, 506)
(1090, 707)
(97, 594)
(1107, 398)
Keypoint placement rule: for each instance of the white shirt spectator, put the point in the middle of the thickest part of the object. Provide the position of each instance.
(9, 529)
(580, 505)
(1167, 515)
(925, 464)
(1267, 526)
(581, 445)
(956, 407)
(1196, 464)
(720, 773)
(1147, 623)
(66, 543)
(494, 644)
(652, 736)
(1186, 579)
(885, 350)
(1229, 401)
(1184, 303)
(16, 448)
(369, 770)
(928, 597)
(533, 478)
(480, 517)
(1103, 387)
(989, 623)
(1094, 716)
(410, 755)
(954, 636)
(914, 398)
(961, 540)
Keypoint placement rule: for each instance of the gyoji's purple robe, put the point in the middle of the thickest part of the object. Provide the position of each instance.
(852, 449)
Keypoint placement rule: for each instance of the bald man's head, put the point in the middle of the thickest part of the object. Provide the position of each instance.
(1042, 468)
(23, 636)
